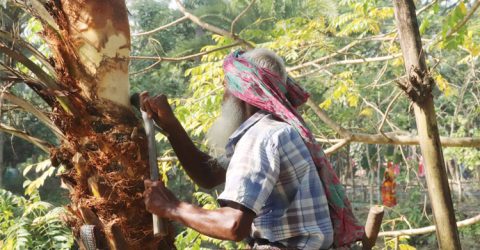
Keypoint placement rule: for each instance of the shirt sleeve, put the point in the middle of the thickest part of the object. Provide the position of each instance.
(252, 173)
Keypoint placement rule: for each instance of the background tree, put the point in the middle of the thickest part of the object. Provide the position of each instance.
(346, 54)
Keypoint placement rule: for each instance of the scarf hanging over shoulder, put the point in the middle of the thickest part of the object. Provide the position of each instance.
(265, 90)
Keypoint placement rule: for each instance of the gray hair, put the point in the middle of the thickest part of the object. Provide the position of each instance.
(267, 59)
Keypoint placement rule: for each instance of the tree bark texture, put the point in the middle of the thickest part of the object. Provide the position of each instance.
(418, 87)
(372, 227)
(105, 149)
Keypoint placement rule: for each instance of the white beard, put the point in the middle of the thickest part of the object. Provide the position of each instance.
(229, 120)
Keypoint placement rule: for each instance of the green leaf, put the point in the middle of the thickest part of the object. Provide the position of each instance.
(424, 26)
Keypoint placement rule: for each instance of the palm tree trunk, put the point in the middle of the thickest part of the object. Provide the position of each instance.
(105, 149)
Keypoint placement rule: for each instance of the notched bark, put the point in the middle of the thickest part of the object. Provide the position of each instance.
(418, 85)
(105, 149)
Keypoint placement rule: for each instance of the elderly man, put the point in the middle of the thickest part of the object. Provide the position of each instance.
(269, 161)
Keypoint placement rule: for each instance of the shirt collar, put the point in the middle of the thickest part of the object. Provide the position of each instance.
(235, 137)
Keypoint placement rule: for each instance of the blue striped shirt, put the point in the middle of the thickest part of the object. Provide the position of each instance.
(271, 172)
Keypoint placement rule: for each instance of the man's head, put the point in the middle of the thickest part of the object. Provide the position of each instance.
(267, 59)
(235, 111)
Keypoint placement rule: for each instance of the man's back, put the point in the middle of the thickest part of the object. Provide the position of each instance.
(272, 173)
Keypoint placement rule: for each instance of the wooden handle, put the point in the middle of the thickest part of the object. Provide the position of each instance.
(158, 225)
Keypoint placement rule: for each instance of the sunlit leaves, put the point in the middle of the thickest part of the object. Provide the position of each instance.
(452, 20)
(326, 104)
(206, 84)
(367, 112)
(366, 17)
(424, 26)
(295, 38)
(344, 92)
(468, 156)
(443, 85)
(472, 45)
(31, 224)
(44, 168)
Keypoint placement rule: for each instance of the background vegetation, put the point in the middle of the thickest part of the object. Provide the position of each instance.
(345, 53)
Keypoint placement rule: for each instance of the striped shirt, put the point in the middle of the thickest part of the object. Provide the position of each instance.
(272, 173)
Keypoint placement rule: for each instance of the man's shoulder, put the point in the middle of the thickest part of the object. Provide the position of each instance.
(270, 127)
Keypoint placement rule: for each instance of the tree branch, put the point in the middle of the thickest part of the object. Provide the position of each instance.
(465, 19)
(429, 229)
(395, 139)
(393, 126)
(424, 8)
(42, 75)
(183, 58)
(32, 110)
(324, 58)
(232, 26)
(337, 146)
(385, 115)
(210, 27)
(351, 61)
(17, 42)
(331, 123)
(43, 145)
(37, 9)
(146, 69)
(181, 19)
(391, 139)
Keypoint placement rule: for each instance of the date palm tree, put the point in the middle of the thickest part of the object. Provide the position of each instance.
(102, 144)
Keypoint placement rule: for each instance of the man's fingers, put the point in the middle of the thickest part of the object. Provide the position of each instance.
(144, 97)
(148, 107)
(147, 183)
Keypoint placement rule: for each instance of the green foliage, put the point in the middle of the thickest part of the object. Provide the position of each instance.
(473, 230)
(31, 223)
(451, 21)
(367, 16)
(354, 95)
(43, 170)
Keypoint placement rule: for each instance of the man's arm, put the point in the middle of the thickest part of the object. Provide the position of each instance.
(232, 222)
(198, 165)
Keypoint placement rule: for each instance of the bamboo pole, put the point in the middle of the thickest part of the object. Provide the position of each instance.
(418, 87)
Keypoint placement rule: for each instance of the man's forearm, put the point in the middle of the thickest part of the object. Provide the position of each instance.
(223, 223)
(194, 161)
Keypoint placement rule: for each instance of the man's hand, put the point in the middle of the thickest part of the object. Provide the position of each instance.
(157, 107)
(232, 222)
(195, 162)
(158, 199)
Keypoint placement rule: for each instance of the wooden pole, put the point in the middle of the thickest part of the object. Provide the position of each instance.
(418, 87)
(372, 227)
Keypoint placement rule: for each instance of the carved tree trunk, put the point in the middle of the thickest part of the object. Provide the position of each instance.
(419, 87)
(104, 147)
